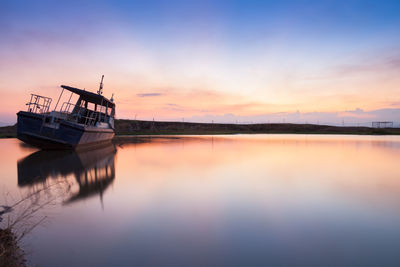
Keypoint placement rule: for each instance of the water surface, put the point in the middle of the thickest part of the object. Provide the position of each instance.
(246, 200)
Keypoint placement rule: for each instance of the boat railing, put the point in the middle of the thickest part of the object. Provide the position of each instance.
(39, 104)
(80, 114)
(66, 107)
(91, 119)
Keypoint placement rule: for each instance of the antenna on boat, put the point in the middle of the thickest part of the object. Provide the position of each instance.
(100, 91)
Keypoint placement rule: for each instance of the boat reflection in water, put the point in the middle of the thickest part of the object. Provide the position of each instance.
(92, 171)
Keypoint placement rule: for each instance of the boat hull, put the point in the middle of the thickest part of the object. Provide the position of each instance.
(34, 129)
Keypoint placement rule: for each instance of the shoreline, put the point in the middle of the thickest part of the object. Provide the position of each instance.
(160, 128)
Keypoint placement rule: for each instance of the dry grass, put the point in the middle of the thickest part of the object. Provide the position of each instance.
(19, 216)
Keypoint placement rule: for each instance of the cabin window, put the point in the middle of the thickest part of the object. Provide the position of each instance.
(90, 106)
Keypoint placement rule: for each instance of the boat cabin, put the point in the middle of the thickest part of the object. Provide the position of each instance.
(90, 109)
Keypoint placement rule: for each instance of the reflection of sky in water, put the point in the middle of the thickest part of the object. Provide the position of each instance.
(240, 200)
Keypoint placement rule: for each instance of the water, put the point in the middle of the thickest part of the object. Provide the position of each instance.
(259, 200)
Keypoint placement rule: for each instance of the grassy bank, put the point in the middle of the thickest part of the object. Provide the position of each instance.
(8, 131)
(132, 127)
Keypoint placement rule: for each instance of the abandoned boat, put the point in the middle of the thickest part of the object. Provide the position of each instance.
(86, 123)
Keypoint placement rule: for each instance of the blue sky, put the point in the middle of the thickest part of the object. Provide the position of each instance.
(246, 58)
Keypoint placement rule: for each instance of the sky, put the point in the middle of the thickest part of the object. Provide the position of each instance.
(333, 62)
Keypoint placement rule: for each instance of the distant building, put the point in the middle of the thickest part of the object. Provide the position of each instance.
(382, 124)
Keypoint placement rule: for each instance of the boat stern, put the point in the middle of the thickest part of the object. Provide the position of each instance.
(37, 130)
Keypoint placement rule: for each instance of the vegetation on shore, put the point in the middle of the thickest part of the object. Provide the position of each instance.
(19, 216)
(8, 131)
(138, 127)
(131, 127)
(10, 252)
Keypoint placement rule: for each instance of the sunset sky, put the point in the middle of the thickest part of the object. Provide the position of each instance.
(227, 61)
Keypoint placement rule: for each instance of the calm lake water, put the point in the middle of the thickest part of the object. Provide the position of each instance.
(246, 200)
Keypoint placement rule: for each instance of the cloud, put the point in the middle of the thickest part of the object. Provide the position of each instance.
(149, 94)
(374, 64)
(174, 107)
(357, 114)
(394, 104)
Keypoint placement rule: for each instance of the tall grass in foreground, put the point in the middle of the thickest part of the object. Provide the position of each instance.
(19, 216)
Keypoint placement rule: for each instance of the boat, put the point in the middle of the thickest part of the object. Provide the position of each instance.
(86, 123)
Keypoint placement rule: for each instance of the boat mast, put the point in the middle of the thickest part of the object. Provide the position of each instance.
(100, 91)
